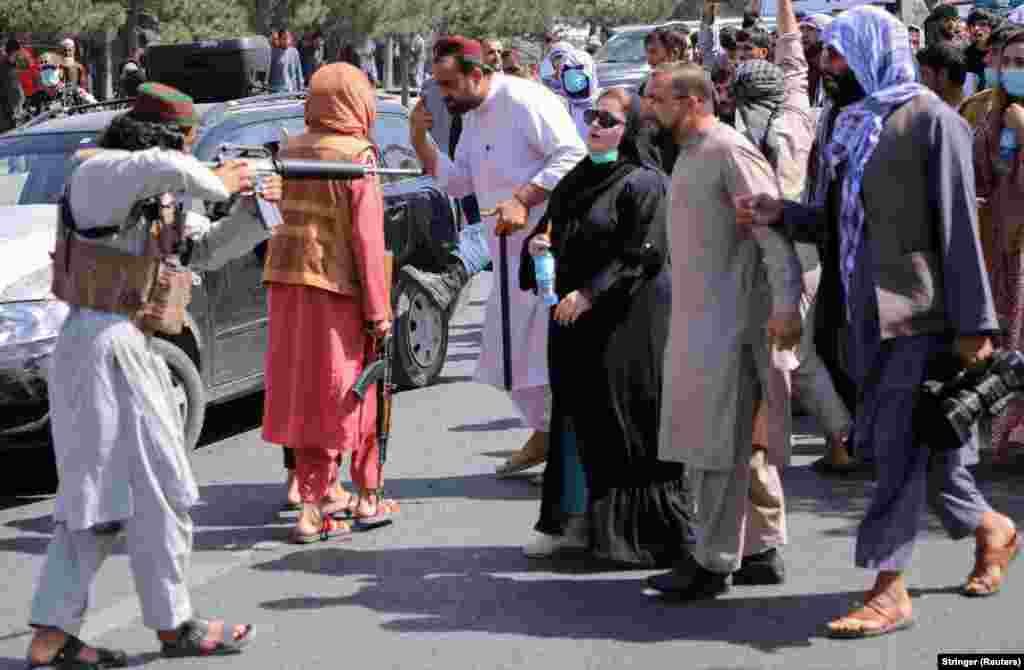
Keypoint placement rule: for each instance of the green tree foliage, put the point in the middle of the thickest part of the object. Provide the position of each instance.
(58, 16)
(192, 20)
(608, 13)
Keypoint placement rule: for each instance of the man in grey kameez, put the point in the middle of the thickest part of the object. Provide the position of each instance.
(914, 287)
(728, 288)
(118, 436)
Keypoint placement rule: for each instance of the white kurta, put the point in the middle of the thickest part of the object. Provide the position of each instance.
(522, 133)
(103, 370)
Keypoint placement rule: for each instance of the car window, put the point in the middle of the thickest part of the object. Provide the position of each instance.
(391, 133)
(623, 48)
(34, 168)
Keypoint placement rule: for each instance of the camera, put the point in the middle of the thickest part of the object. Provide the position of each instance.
(954, 398)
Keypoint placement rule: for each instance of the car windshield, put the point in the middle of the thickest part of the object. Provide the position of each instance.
(624, 48)
(34, 168)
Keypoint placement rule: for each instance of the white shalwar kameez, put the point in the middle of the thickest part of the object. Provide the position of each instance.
(522, 133)
(118, 436)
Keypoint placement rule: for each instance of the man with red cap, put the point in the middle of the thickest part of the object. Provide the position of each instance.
(117, 432)
(517, 142)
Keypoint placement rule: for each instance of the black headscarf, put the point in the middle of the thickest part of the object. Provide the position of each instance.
(581, 186)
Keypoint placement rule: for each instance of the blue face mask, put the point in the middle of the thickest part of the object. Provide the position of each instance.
(49, 77)
(1012, 82)
(601, 157)
(575, 82)
(991, 76)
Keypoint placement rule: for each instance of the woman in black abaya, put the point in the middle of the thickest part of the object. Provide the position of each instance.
(606, 344)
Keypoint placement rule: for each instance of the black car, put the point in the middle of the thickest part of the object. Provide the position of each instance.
(220, 355)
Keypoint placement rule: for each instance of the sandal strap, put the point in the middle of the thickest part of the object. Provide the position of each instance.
(193, 631)
(69, 651)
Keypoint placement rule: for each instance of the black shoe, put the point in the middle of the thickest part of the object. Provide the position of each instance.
(443, 288)
(762, 569)
(689, 580)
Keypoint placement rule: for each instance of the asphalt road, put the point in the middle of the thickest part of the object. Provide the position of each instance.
(447, 586)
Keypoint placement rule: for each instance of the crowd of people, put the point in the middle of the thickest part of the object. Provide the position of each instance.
(772, 217)
(801, 216)
(31, 84)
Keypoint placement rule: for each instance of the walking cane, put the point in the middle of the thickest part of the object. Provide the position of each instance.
(506, 335)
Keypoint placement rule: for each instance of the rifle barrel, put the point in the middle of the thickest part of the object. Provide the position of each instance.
(294, 168)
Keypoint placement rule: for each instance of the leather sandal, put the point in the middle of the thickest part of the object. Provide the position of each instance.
(981, 583)
(872, 620)
(191, 640)
(66, 657)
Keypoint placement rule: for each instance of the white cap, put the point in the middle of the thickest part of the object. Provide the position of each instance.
(67, 42)
(129, 67)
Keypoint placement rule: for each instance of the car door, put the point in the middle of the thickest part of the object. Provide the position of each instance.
(237, 297)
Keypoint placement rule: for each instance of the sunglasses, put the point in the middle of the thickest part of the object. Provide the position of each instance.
(604, 119)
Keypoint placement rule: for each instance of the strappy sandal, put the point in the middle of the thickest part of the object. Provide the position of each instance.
(192, 640)
(872, 620)
(981, 583)
(67, 657)
(384, 515)
(329, 529)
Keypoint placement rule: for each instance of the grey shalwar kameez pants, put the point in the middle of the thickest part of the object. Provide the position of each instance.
(115, 398)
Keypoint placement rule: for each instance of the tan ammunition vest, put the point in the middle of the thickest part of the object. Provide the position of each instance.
(313, 246)
(152, 289)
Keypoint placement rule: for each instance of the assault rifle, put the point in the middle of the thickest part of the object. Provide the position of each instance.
(379, 373)
(263, 163)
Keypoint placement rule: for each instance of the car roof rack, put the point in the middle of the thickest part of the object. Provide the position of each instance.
(106, 105)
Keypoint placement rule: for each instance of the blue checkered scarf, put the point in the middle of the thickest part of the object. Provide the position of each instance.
(877, 49)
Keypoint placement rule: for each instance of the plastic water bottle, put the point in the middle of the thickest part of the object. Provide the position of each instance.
(544, 272)
(1007, 151)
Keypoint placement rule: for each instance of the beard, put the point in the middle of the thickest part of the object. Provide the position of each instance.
(812, 52)
(843, 89)
(461, 105)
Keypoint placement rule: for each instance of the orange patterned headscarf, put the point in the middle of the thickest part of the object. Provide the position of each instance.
(341, 100)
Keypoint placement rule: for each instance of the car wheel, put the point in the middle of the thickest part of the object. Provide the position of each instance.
(187, 389)
(420, 336)
(36, 471)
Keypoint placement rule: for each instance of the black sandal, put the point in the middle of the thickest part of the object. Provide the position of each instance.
(67, 657)
(192, 640)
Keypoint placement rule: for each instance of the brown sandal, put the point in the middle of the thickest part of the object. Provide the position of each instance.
(873, 619)
(981, 582)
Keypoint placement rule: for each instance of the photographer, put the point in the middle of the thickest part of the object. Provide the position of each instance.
(910, 294)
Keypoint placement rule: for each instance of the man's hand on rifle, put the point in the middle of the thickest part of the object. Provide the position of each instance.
(235, 175)
(271, 187)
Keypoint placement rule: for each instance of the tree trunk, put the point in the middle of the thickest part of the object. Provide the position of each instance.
(389, 62)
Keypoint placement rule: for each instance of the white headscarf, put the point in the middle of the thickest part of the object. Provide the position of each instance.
(579, 106)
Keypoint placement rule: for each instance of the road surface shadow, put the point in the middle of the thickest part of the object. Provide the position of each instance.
(467, 589)
(496, 424)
